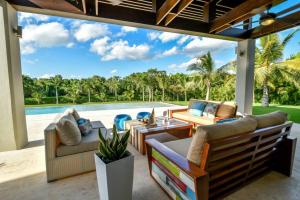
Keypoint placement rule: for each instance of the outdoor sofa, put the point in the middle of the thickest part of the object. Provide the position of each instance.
(221, 158)
(65, 160)
(224, 110)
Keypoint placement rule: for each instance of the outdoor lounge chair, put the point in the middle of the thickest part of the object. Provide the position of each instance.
(224, 110)
(225, 163)
(64, 161)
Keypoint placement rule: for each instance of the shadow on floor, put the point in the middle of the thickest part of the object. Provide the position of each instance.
(35, 143)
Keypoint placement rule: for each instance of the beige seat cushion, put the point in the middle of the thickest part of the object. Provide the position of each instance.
(186, 116)
(270, 119)
(88, 143)
(73, 112)
(217, 131)
(226, 110)
(180, 146)
(162, 137)
(68, 131)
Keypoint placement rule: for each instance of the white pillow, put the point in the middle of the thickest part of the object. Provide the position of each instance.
(68, 130)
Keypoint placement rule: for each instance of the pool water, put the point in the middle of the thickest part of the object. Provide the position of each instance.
(93, 107)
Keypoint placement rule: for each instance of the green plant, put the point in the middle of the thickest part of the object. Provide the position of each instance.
(112, 149)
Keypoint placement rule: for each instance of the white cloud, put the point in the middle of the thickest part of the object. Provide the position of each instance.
(86, 32)
(46, 76)
(113, 71)
(121, 50)
(167, 37)
(183, 65)
(70, 45)
(128, 29)
(100, 46)
(30, 17)
(43, 36)
(153, 35)
(170, 52)
(183, 39)
(202, 45)
(125, 30)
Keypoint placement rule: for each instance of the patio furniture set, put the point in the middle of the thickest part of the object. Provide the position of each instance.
(202, 152)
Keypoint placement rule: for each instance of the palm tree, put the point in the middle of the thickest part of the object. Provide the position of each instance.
(268, 55)
(205, 67)
(73, 90)
(269, 64)
(87, 85)
(113, 85)
(161, 79)
(38, 91)
(56, 82)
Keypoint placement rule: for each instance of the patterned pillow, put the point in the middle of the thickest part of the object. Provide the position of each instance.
(84, 126)
(197, 108)
(210, 110)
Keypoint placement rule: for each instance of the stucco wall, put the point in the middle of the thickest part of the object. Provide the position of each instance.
(13, 133)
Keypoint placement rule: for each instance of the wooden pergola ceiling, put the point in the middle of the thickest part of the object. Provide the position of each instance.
(212, 18)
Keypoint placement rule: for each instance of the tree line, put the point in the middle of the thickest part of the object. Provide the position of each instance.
(276, 81)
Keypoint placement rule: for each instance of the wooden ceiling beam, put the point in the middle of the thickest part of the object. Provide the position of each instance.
(60, 5)
(240, 13)
(165, 9)
(182, 5)
(280, 24)
(209, 11)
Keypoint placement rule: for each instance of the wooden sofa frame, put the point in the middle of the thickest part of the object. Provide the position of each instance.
(230, 163)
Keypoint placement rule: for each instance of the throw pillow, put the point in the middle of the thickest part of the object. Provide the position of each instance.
(216, 131)
(68, 131)
(226, 110)
(210, 110)
(270, 119)
(84, 126)
(197, 108)
(73, 112)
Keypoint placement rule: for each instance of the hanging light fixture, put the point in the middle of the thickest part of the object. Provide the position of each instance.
(267, 19)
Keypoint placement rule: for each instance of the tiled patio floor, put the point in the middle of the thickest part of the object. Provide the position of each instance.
(22, 174)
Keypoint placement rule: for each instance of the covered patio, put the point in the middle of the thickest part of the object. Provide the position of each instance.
(23, 171)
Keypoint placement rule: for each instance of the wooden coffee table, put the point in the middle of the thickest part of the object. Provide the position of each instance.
(139, 131)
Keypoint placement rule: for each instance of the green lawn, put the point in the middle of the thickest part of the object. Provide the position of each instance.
(293, 111)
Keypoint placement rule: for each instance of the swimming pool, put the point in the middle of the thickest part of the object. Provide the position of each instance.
(93, 107)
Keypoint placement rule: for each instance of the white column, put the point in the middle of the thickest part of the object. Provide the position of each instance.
(13, 134)
(245, 76)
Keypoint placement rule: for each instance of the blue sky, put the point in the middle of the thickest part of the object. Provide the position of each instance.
(79, 49)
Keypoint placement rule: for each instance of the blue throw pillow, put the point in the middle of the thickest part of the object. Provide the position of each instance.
(81, 121)
(197, 108)
(226, 120)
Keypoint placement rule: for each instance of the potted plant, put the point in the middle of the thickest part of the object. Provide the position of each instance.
(114, 167)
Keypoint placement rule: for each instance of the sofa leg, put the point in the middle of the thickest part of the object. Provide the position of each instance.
(202, 188)
(283, 162)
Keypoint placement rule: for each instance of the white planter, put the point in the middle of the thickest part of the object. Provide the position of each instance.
(115, 179)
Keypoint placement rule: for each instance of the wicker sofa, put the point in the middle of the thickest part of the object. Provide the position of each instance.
(232, 155)
(64, 161)
(225, 110)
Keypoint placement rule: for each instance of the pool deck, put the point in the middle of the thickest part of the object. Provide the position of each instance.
(22, 172)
